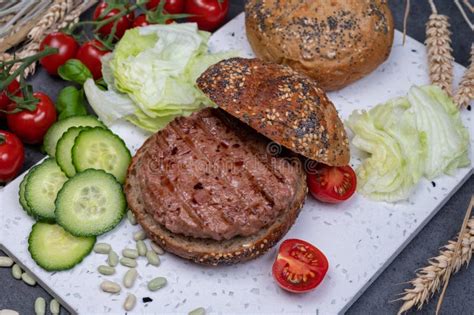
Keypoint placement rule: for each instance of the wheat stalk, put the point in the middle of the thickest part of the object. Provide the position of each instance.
(430, 278)
(465, 92)
(440, 58)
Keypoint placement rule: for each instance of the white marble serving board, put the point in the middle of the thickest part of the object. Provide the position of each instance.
(360, 237)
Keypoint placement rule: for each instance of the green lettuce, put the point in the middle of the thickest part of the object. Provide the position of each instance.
(408, 138)
(154, 70)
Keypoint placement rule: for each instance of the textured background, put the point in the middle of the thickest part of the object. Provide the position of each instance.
(377, 299)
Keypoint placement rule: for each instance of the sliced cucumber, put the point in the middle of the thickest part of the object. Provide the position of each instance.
(54, 249)
(64, 150)
(21, 194)
(44, 182)
(59, 128)
(90, 203)
(100, 149)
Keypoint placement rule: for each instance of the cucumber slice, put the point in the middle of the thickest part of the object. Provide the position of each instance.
(44, 182)
(90, 203)
(54, 249)
(100, 149)
(64, 150)
(59, 128)
(21, 194)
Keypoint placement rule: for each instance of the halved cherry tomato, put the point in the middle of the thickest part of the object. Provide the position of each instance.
(332, 184)
(208, 14)
(299, 267)
(123, 24)
(12, 156)
(171, 6)
(12, 89)
(31, 126)
(89, 54)
(67, 47)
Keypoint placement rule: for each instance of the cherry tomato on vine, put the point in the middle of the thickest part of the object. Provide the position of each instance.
(31, 126)
(67, 47)
(12, 89)
(123, 24)
(208, 14)
(171, 6)
(299, 267)
(332, 184)
(12, 156)
(142, 20)
(89, 54)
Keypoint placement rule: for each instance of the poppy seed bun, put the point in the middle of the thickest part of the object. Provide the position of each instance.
(284, 105)
(335, 42)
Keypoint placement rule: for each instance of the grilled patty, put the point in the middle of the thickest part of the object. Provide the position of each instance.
(209, 176)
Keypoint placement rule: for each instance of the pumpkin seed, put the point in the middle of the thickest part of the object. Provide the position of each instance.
(6, 261)
(157, 249)
(54, 307)
(16, 272)
(152, 258)
(106, 270)
(130, 302)
(113, 259)
(157, 283)
(102, 248)
(128, 262)
(28, 279)
(131, 218)
(110, 287)
(139, 236)
(129, 278)
(40, 306)
(141, 248)
(130, 253)
(198, 311)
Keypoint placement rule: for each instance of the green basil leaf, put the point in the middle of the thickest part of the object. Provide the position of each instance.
(71, 102)
(74, 70)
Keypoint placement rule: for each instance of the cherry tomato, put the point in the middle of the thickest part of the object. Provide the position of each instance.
(209, 14)
(142, 20)
(123, 24)
(89, 54)
(299, 267)
(31, 126)
(332, 184)
(12, 89)
(67, 46)
(171, 6)
(12, 156)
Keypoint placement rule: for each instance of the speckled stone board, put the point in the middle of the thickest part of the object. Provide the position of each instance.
(359, 237)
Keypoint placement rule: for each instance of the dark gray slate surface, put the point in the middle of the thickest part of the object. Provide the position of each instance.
(376, 300)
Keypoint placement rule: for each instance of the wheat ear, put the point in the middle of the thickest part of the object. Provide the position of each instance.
(440, 58)
(430, 278)
(465, 92)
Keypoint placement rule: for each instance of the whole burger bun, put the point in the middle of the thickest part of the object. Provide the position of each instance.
(336, 42)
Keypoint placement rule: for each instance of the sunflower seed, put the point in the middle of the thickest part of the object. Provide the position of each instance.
(106, 270)
(156, 284)
(110, 287)
(16, 272)
(129, 278)
(128, 262)
(157, 249)
(152, 258)
(113, 259)
(198, 311)
(40, 306)
(130, 302)
(6, 261)
(130, 253)
(139, 236)
(28, 279)
(54, 307)
(131, 218)
(141, 248)
(102, 248)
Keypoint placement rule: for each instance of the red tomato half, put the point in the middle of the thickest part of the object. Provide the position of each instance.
(12, 89)
(31, 126)
(332, 184)
(67, 46)
(208, 14)
(171, 6)
(89, 54)
(123, 24)
(299, 267)
(12, 156)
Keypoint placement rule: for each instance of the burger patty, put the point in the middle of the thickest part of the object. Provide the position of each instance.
(209, 176)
